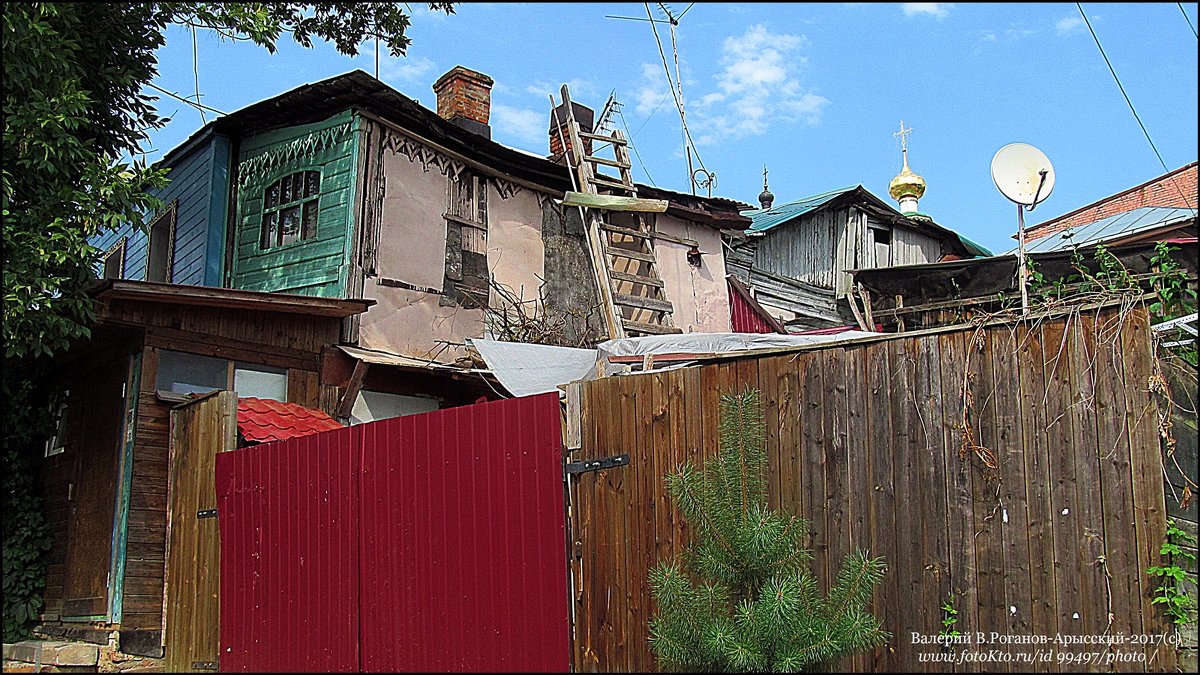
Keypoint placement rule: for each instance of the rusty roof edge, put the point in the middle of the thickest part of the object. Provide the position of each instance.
(187, 294)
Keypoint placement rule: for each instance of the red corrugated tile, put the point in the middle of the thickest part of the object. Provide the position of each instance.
(263, 420)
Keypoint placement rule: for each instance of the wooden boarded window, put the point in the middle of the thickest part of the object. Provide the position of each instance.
(290, 209)
(466, 240)
(162, 245)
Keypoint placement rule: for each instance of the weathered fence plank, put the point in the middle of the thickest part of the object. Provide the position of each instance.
(866, 442)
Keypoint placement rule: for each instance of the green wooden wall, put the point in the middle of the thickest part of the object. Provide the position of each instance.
(316, 266)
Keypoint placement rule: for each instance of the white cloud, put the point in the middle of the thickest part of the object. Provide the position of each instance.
(937, 9)
(757, 86)
(1018, 33)
(407, 69)
(527, 126)
(653, 90)
(1068, 25)
(582, 91)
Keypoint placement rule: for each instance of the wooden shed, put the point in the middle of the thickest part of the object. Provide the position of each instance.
(105, 475)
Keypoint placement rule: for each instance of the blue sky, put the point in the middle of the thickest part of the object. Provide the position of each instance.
(813, 91)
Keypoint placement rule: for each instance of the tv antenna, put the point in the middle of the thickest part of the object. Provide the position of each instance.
(675, 86)
(611, 107)
(1025, 176)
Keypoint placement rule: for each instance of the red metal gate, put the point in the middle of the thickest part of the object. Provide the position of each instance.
(431, 542)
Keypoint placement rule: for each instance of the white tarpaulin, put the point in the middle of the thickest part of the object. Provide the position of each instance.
(717, 343)
(526, 369)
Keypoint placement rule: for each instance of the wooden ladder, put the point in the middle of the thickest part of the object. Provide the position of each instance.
(620, 242)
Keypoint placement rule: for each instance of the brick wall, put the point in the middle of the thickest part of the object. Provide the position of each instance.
(1175, 189)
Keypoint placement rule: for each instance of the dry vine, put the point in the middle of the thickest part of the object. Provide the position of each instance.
(1114, 283)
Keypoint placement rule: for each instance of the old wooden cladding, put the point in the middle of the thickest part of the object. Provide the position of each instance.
(865, 442)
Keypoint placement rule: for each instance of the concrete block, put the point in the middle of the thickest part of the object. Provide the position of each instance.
(75, 654)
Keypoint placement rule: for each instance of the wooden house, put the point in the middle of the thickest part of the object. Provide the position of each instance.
(797, 256)
(348, 189)
(283, 223)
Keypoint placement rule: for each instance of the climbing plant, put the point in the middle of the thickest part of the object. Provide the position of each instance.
(1175, 575)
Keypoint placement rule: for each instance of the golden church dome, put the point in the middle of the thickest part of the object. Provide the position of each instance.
(906, 184)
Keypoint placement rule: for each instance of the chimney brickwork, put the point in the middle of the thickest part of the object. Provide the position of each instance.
(464, 97)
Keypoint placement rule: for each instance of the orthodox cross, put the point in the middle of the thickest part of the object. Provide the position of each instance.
(903, 134)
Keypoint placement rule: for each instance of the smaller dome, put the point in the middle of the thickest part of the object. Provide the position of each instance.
(765, 198)
(906, 184)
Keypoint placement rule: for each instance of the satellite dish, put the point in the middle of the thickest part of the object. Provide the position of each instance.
(1023, 174)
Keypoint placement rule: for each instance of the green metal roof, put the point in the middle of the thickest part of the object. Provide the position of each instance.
(762, 220)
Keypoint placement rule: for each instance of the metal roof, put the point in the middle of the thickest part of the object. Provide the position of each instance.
(762, 220)
(1113, 227)
(261, 420)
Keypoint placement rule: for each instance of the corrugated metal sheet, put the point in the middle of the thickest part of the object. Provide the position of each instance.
(464, 535)
(1120, 225)
(745, 317)
(289, 525)
(432, 542)
(764, 219)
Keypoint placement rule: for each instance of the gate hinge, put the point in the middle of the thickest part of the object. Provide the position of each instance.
(204, 665)
(206, 513)
(595, 464)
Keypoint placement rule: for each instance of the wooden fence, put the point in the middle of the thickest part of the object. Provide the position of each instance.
(867, 442)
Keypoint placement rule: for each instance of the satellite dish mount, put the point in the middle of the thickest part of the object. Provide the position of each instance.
(1025, 176)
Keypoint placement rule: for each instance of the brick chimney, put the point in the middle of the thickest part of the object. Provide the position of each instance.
(586, 118)
(464, 97)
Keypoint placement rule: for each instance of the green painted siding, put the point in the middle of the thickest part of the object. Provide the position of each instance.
(318, 265)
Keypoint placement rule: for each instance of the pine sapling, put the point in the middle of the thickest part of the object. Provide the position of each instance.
(743, 597)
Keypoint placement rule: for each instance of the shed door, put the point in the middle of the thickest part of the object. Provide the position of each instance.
(93, 493)
(192, 609)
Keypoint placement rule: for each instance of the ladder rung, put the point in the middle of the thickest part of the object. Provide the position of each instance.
(600, 137)
(643, 302)
(626, 253)
(636, 279)
(652, 328)
(640, 234)
(607, 162)
(599, 180)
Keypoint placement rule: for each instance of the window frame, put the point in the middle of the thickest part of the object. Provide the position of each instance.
(230, 367)
(171, 212)
(117, 249)
(57, 444)
(303, 234)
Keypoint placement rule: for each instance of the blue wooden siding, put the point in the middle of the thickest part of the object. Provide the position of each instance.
(199, 181)
(315, 266)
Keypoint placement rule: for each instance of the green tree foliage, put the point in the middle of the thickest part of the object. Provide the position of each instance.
(757, 606)
(74, 112)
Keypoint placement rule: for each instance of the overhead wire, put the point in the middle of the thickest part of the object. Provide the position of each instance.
(196, 74)
(634, 147)
(1127, 101)
(689, 144)
(1187, 18)
(184, 99)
